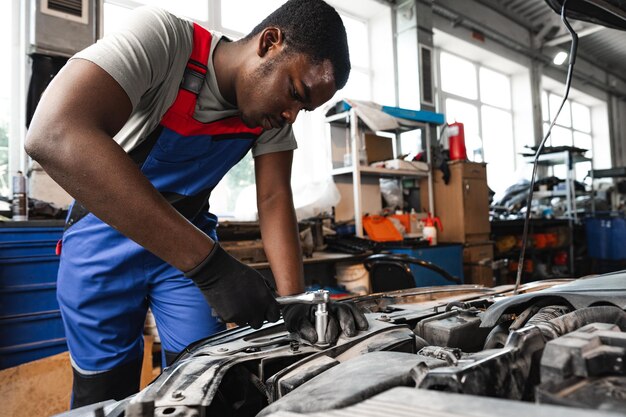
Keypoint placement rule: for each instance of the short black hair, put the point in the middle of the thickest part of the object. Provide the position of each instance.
(314, 28)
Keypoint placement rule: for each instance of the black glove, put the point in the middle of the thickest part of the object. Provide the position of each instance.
(346, 316)
(236, 292)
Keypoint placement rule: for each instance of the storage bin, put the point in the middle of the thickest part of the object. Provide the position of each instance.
(606, 237)
(618, 239)
(30, 322)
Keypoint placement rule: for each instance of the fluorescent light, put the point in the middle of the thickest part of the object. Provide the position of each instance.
(560, 58)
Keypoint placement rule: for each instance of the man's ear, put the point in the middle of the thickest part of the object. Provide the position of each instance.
(271, 39)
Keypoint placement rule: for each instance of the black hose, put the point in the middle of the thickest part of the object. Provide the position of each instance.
(497, 337)
(576, 319)
(402, 260)
(529, 201)
(548, 313)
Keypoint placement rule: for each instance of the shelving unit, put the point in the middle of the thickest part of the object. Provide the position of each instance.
(569, 159)
(537, 255)
(349, 120)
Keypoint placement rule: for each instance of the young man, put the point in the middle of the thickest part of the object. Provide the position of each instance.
(139, 128)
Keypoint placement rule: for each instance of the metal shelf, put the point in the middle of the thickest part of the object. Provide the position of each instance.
(559, 158)
(349, 121)
(549, 194)
(343, 119)
(568, 158)
(380, 172)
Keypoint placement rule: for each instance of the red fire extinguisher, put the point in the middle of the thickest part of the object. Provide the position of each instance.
(456, 141)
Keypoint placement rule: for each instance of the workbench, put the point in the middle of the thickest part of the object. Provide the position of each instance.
(318, 269)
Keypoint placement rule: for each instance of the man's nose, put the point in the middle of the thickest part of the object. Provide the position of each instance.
(290, 115)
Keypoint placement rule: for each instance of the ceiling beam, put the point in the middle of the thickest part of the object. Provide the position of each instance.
(567, 37)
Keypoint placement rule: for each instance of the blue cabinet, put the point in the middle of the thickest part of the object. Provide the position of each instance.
(446, 256)
(30, 321)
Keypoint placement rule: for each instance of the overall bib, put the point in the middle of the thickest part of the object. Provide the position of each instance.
(106, 282)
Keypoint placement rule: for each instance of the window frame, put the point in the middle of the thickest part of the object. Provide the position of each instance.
(443, 95)
(19, 74)
(572, 130)
(214, 22)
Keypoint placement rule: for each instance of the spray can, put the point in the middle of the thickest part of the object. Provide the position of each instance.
(430, 229)
(20, 198)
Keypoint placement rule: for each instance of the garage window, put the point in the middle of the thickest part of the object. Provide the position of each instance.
(6, 32)
(572, 128)
(234, 197)
(480, 98)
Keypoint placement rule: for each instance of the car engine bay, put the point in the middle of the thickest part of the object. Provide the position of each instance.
(556, 348)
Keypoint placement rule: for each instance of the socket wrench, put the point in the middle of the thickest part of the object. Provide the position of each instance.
(320, 299)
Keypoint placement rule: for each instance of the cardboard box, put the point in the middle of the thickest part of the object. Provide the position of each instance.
(477, 260)
(462, 204)
(370, 197)
(378, 148)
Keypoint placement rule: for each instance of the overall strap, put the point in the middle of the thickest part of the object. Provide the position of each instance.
(193, 78)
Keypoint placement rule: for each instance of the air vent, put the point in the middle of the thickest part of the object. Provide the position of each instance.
(73, 7)
(74, 10)
(426, 76)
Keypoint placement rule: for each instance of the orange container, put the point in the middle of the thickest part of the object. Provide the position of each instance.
(405, 220)
(381, 229)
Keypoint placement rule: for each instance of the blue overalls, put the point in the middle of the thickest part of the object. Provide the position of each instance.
(106, 282)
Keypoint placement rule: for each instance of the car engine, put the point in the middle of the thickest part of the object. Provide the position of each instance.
(557, 348)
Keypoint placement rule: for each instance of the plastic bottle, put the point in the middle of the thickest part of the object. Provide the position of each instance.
(413, 222)
(20, 199)
(430, 229)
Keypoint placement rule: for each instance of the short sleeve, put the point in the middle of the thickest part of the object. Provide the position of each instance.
(140, 57)
(275, 140)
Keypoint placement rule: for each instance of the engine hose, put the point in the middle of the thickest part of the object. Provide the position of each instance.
(548, 313)
(497, 337)
(576, 319)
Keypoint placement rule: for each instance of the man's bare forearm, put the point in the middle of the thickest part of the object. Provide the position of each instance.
(281, 241)
(76, 149)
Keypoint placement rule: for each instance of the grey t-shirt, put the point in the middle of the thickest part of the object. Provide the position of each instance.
(148, 60)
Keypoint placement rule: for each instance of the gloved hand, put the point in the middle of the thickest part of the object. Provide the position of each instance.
(236, 292)
(346, 317)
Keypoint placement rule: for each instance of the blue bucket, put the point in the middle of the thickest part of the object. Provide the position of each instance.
(618, 239)
(598, 237)
(606, 237)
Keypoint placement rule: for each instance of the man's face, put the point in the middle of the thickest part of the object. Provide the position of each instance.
(279, 87)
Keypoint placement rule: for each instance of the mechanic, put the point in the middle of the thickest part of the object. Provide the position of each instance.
(140, 151)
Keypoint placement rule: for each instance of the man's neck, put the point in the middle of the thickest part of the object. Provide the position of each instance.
(227, 61)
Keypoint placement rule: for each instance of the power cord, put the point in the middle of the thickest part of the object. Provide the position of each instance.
(568, 83)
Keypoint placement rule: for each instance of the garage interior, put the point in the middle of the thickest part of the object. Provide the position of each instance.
(467, 161)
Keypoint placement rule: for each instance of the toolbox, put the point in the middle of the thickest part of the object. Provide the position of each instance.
(30, 321)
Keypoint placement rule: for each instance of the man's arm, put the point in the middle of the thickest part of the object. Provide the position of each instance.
(71, 136)
(277, 217)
